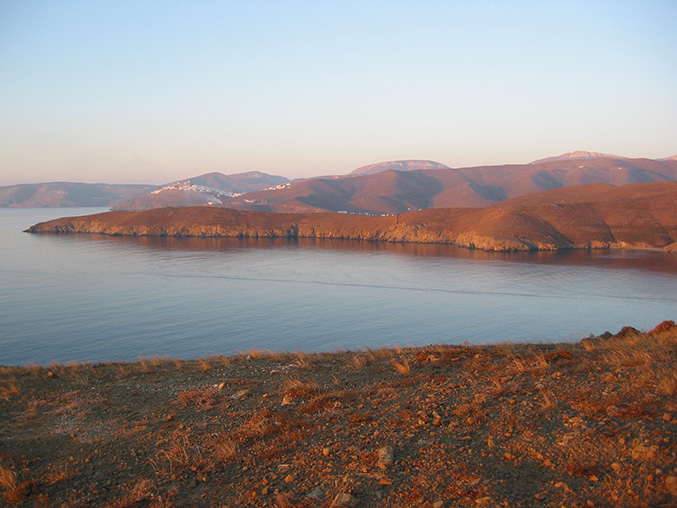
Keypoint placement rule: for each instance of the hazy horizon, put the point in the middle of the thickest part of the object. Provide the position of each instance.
(151, 92)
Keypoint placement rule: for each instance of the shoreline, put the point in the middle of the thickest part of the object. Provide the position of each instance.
(634, 216)
(587, 423)
(564, 248)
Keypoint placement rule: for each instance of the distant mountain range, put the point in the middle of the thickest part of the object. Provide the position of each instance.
(409, 165)
(207, 189)
(200, 190)
(68, 194)
(394, 191)
(385, 188)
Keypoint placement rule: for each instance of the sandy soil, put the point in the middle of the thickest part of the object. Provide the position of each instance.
(586, 424)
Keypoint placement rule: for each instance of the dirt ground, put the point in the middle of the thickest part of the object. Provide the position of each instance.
(587, 424)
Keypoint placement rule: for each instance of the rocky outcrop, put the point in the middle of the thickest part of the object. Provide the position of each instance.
(641, 215)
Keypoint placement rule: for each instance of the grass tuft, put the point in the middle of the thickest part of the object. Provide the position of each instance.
(7, 478)
(402, 367)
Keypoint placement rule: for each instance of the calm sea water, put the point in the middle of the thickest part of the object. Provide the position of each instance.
(97, 298)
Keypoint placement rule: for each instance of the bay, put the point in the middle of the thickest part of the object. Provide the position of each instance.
(97, 298)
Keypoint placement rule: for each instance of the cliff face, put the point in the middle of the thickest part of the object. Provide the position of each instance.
(592, 216)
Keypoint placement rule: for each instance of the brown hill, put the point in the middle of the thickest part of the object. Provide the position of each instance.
(210, 188)
(391, 191)
(591, 216)
(238, 182)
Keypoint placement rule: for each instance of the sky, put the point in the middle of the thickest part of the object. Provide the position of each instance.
(149, 91)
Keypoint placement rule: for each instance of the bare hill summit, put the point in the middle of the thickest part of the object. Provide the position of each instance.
(392, 191)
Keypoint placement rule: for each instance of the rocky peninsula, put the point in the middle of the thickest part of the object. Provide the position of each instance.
(580, 217)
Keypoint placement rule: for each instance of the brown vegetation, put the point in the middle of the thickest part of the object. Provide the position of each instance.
(589, 216)
(586, 424)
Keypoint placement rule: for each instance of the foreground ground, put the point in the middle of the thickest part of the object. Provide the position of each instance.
(586, 424)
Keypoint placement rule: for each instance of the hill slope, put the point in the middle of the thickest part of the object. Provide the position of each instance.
(210, 188)
(521, 425)
(391, 191)
(591, 216)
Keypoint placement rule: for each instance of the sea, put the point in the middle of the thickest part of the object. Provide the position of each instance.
(95, 298)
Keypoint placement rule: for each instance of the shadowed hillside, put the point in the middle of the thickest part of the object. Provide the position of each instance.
(391, 191)
(592, 216)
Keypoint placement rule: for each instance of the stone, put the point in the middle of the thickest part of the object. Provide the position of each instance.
(642, 452)
(671, 484)
(438, 504)
(286, 400)
(343, 499)
(325, 452)
(289, 479)
(316, 493)
(627, 331)
(239, 395)
(386, 456)
(663, 327)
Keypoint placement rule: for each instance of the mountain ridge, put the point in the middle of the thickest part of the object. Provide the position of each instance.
(392, 191)
(401, 165)
(579, 154)
(382, 188)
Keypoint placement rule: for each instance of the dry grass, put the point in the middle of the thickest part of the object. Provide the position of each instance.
(202, 398)
(7, 478)
(402, 366)
(667, 384)
(300, 387)
(549, 400)
(8, 390)
(566, 424)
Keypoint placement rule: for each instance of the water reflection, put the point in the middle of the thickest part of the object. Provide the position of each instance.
(653, 260)
(95, 297)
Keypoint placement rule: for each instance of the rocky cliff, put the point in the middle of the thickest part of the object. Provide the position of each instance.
(589, 216)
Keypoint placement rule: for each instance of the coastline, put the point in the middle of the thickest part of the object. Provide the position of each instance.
(635, 216)
(579, 424)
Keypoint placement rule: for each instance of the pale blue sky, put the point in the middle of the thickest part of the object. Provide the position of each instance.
(152, 91)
